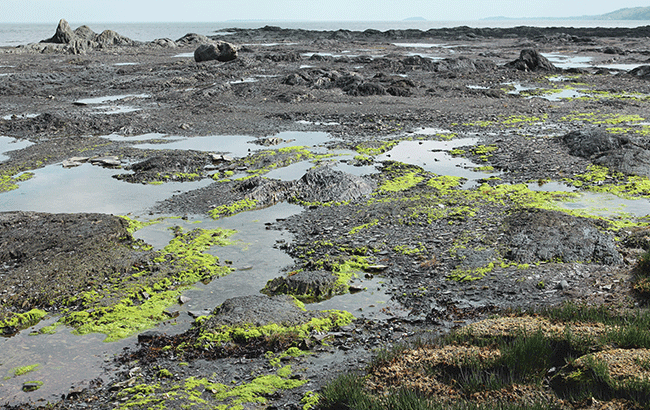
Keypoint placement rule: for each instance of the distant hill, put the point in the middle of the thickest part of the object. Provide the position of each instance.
(633, 13)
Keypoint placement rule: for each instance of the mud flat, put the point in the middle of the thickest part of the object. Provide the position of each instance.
(257, 231)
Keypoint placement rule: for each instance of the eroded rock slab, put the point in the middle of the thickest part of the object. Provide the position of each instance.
(306, 284)
(535, 235)
(258, 310)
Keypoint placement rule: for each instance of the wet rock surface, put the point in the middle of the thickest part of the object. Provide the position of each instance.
(258, 311)
(73, 251)
(446, 254)
(540, 235)
(306, 284)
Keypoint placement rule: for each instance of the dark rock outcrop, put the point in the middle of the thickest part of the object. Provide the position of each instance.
(63, 34)
(220, 51)
(592, 141)
(617, 152)
(258, 310)
(630, 160)
(532, 60)
(539, 235)
(83, 38)
(324, 184)
(320, 184)
(642, 71)
(192, 38)
(306, 284)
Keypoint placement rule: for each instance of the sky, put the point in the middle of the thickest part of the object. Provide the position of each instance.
(89, 11)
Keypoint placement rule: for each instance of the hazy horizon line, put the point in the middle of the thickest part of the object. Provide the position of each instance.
(410, 19)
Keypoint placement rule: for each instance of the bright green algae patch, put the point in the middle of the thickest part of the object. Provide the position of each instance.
(602, 179)
(9, 179)
(22, 370)
(243, 333)
(139, 302)
(202, 393)
(265, 161)
(188, 250)
(24, 320)
(235, 208)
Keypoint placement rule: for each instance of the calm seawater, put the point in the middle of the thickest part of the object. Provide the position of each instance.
(17, 34)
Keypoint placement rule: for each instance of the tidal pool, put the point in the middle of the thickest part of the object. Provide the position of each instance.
(240, 145)
(87, 188)
(109, 98)
(8, 144)
(565, 61)
(434, 156)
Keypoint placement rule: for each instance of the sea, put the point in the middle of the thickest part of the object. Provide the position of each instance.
(17, 34)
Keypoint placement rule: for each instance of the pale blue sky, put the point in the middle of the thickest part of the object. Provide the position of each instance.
(89, 11)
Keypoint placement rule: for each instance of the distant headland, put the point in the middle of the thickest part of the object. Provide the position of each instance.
(631, 13)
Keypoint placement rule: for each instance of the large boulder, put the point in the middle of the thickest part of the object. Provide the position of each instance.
(83, 38)
(221, 51)
(535, 235)
(460, 65)
(532, 60)
(324, 184)
(319, 184)
(258, 310)
(309, 285)
(85, 33)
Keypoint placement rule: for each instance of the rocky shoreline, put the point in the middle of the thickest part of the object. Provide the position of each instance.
(523, 108)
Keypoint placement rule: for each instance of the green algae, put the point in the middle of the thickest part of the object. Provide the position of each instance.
(274, 360)
(188, 250)
(265, 161)
(509, 121)
(487, 168)
(468, 275)
(32, 385)
(164, 373)
(417, 249)
(9, 179)
(135, 225)
(24, 320)
(364, 159)
(123, 319)
(359, 228)
(246, 332)
(310, 400)
(401, 183)
(604, 119)
(373, 148)
(235, 208)
(22, 370)
(602, 179)
(347, 270)
(139, 302)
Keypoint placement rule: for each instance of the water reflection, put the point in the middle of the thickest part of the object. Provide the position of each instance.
(434, 156)
(87, 188)
(8, 144)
